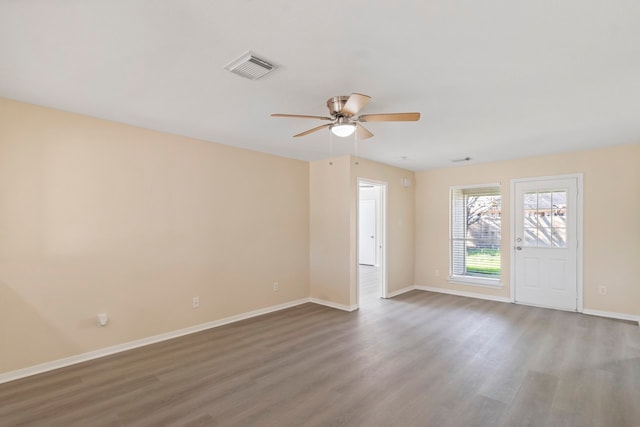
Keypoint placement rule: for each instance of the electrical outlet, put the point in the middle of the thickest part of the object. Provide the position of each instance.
(436, 273)
(196, 302)
(276, 286)
(602, 290)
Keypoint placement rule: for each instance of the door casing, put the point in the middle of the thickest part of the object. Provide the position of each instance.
(382, 237)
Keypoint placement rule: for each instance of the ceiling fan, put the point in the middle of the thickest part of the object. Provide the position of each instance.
(342, 112)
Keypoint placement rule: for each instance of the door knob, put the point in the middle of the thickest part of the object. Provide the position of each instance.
(519, 248)
(372, 237)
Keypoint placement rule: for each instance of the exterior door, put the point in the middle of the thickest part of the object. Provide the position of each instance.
(545, 241)
(367, 232)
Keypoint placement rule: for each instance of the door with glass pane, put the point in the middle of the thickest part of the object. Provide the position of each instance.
(545, 243)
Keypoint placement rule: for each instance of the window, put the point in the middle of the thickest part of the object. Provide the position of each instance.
(475, 234)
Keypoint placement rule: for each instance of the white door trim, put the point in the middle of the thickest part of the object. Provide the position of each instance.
(579, 225)
(382, 238)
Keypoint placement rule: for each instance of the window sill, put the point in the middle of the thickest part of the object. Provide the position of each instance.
(476, 281)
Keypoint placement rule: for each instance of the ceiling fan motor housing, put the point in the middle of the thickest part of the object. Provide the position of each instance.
(336, 104)
(343, 120)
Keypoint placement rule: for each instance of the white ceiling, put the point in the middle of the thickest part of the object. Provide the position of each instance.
(493, 79)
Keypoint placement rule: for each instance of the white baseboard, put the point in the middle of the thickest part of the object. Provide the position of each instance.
(462, 293)
(612, 315)
(401, 291)
(333, 304)
(72, 360)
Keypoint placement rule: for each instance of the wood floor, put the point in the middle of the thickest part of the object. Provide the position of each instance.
(420, 359)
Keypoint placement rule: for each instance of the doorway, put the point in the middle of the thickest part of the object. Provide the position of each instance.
(371, 259)
(546, 261)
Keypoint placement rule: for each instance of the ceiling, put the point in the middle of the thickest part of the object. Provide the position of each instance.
(493, 79)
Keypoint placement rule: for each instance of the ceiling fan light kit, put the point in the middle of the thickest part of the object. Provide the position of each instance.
(343, 128)
(342, 111)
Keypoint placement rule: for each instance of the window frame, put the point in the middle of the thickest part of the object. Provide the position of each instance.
(488, 282)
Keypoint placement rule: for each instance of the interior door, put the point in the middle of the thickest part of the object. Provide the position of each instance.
(545, 243)
(367, 232)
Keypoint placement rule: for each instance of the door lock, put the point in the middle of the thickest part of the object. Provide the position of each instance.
(519, 248)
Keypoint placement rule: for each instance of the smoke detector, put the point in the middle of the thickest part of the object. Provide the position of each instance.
(250, 66)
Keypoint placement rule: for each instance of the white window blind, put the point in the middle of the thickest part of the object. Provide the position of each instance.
(475, 232)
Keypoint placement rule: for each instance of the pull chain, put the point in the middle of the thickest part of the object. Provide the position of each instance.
(355, 137)
(330, 148)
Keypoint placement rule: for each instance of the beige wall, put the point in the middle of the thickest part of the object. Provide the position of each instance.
(333, 210)
(329, 198)
(97, 216)
(611, 221)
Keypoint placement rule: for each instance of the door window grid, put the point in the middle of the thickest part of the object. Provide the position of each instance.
(545, 219)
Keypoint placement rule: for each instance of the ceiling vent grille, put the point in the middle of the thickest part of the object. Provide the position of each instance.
(250, 66)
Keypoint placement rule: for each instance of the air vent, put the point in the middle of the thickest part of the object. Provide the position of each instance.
(250, 66)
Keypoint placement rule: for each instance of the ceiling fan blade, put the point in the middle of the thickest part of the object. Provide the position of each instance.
(300, 116)
(355, 103)
(390, 117)
(307, 132)
(363, 133)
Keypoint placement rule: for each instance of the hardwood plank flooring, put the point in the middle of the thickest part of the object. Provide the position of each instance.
(420, 359)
